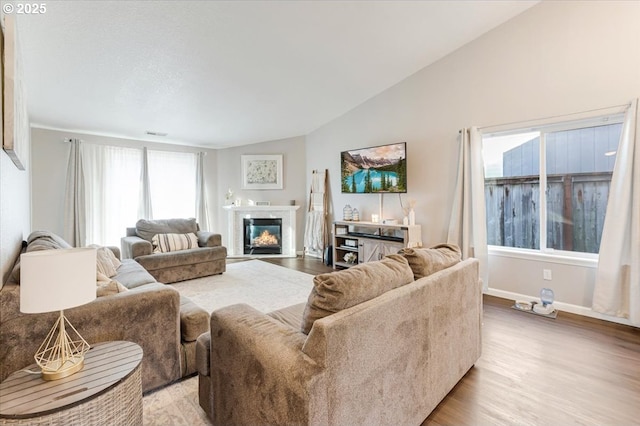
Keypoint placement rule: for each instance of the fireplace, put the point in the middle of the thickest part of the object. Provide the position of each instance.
(262, 236)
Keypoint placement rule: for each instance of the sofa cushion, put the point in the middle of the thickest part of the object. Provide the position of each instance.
(193, 320)
(335, 291)
(108, 288)
(146, 229)
(426, 261)
(164, 243)
(291, 315)
(131, 275)
(38, 240)
(106, 262)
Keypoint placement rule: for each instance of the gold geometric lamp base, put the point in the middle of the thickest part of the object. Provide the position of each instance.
(61, 354)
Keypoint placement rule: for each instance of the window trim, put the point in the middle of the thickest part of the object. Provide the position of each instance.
(549, 254)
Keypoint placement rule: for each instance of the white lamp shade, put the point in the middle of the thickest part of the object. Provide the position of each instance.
(54, 280)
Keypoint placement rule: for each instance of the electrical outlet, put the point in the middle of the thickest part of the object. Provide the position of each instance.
(546, 274)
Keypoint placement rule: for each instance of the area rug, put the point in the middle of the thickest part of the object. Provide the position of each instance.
(264, 286)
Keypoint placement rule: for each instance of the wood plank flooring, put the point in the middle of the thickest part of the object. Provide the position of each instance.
(537, 371)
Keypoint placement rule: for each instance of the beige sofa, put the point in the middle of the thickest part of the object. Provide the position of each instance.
(209, 258)
(387, 360)
(151, 314)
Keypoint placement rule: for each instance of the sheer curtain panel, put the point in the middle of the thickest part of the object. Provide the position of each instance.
(172, 178)
(202, 212)
(468, 225)
(112, 177)
(144, 207)
(74, 200)
(617, 289)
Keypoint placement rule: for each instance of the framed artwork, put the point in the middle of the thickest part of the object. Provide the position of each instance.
(262, 171)
(15, 122)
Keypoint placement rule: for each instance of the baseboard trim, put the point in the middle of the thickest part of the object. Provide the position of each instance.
(560, 306)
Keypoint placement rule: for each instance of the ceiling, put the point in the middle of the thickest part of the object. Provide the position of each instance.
(221, 73)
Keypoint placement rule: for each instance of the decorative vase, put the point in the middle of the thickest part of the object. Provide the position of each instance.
(405, 220)
(412, 217)
(355, 215)
(347, 213)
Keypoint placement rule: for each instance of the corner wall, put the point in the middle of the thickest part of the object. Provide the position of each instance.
(555, 58)
(294, 175)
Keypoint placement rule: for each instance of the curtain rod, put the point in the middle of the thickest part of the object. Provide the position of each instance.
(523, 122)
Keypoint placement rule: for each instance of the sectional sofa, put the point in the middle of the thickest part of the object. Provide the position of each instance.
(379, 343)
(151, 314)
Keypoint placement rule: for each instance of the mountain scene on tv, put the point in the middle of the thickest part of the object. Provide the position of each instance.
(373, 170)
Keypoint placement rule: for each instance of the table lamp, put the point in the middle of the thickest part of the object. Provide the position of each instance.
(54, 280)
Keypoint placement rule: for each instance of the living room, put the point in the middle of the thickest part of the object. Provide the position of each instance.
(555, 59)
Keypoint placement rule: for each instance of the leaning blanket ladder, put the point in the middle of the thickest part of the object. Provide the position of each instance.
(316, 233)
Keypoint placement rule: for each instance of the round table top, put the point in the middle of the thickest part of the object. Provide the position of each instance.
(24, 395)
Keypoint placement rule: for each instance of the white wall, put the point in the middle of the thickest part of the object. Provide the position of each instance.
(294, 175)
(556, 58)
(14, 210)
(50, 158)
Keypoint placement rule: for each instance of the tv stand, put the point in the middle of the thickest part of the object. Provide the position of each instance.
(369, 241)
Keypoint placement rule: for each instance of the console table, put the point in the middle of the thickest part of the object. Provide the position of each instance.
(107, 391)
(369, 241)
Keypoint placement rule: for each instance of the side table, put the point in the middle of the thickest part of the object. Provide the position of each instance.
(107, 391)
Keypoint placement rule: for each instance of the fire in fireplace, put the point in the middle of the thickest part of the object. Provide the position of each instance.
(262, 236)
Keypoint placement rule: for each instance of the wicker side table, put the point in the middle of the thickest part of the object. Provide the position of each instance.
(108, 390)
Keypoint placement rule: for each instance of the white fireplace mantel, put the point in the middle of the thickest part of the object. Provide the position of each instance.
(235, 214)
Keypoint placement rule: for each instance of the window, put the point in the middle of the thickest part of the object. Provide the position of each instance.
(112, 191)
(573, 162)
(113, 188)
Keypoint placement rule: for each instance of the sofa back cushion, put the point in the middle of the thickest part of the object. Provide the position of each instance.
(38, 240)
(426, 261)
(146, 229)
(335, 291)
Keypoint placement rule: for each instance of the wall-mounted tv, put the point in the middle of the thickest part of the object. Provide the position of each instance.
(377, 169)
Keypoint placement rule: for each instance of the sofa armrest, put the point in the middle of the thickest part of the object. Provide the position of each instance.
(133, 247)
(209, 239)
(256, 358)
(148, 315)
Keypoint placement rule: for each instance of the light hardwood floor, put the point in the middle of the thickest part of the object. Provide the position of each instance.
(537, 371)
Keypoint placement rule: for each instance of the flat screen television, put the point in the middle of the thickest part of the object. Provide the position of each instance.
(377, 169)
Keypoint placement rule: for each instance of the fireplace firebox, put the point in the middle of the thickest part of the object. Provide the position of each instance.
(263, 236)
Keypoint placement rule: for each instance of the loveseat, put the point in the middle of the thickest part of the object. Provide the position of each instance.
(151, 314)
(386, 342)
(208, 258)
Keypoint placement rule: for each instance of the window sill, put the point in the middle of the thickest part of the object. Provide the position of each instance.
(563, 259)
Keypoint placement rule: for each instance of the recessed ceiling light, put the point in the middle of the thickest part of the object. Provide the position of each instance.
(151, 133)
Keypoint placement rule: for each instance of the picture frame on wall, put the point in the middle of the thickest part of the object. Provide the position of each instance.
(15, 121)
(262, 171)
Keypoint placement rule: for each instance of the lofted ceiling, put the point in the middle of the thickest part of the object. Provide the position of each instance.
(225, 73)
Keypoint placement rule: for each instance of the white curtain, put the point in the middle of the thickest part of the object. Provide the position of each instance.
(617, 289)
(74, 199)
(468, 225)
(112, 177)
(202, 212)
(172, 176)
(144, 204)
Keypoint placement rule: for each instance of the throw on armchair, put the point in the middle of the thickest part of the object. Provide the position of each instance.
(208, 258)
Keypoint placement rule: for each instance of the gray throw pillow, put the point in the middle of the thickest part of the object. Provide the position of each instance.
(146, 229)
(426, 261)
(335, 291)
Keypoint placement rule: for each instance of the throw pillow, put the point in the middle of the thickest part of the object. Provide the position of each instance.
(106, 286)
(335, 291)
(163, 243)
(426, 261)
(106, 262)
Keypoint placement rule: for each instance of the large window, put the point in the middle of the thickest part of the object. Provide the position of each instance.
(113, 188)
(573, 162)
